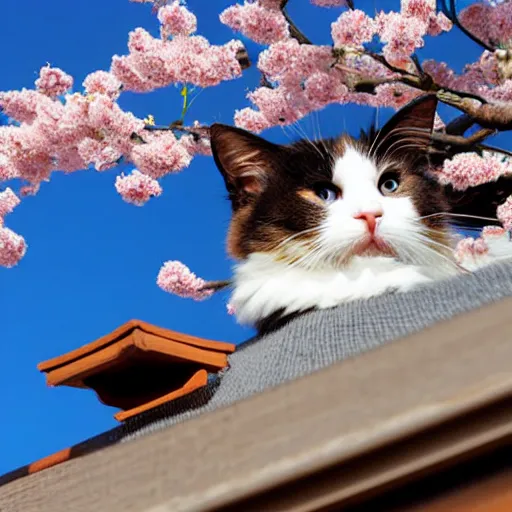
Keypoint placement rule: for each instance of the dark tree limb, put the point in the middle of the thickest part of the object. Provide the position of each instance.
(451, 12)
(460, 125)
(295, 32)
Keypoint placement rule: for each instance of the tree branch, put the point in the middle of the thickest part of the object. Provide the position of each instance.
(460, 141)
(460, 125)
(451, 12)
(295, 32)
(487, 115)
(215, 285)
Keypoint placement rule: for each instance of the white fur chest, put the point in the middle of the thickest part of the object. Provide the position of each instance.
(263, 285)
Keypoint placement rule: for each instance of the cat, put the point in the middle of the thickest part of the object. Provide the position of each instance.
(318, 223)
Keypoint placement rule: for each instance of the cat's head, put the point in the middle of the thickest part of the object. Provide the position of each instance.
(320, 203)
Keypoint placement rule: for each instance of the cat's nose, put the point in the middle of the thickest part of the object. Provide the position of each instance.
(370, 218)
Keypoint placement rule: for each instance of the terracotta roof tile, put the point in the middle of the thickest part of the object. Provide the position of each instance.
(139, 366)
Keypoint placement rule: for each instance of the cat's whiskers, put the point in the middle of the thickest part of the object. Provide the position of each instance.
(395, 131)
(299, 129)
(460, 215)
(295, 235)
(416, 249)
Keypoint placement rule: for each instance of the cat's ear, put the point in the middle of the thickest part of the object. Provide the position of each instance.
(244, 159)
(413, 125)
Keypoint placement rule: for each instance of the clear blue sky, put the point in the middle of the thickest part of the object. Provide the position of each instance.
(93, 259)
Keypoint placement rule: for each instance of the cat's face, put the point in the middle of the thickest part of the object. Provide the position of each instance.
(318, 204)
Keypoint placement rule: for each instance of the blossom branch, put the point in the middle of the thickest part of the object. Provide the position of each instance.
(451, 12)
(488, 115)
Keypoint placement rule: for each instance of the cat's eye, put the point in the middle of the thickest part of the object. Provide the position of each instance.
(389, 183)
(327, 192)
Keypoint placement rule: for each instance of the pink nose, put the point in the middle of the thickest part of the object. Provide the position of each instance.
(370, 218)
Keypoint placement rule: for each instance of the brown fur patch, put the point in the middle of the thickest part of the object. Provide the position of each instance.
(310, 195)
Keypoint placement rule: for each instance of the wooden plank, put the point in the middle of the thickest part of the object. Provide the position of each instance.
(326, 420)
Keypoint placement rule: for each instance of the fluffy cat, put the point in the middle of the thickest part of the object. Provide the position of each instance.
(316, 224)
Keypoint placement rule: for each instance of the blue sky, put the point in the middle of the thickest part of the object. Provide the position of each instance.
(93, 259)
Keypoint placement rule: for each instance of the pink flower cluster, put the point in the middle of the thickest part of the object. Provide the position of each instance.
(263, 22)
(8, 201)
(490, 23)
(304, 82)
(485, 77)
(160, 155)
(12, 245)
(53, 82)
(403, 32)
(470, 249)
(137, 188)
(304, 78)
(155, 63)
(82, 131)
(469, 170)
(175, 277)
(176, 20)
(353, 28)
(504, 213)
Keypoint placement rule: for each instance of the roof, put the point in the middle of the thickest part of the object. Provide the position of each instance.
(139, 366)
(302, 445)
(374, 412)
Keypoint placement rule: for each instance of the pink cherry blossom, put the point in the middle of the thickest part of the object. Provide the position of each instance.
(493, 231)
(102, 82)
(154, 63)
(421, 9)
(98, 154)
(12, 247)
(8, 201)
(504, 213)
(53, 82)
(289, 61)
(176, 20)
(492, 24)
(252, 120)
(161, 155)
(231, 310)
(469, 170)
(321, 89)
(279, 105)
(137, 188)
(353, 28)
(469, 250)
(259, 23)
(195, 145)
(22, 105)
(175, 277)
(402, 34)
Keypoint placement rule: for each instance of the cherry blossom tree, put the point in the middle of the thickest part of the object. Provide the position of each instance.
(52, 129)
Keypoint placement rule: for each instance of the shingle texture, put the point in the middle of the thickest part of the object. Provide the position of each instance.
(319, 338)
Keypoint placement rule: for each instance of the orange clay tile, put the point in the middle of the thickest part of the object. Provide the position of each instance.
(139, 366)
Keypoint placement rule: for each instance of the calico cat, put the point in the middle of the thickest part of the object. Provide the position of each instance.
(316, 224)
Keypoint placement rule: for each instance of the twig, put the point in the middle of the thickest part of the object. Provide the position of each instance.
(452, 14)
(463, 142)
(295, 32)
(215, 285)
